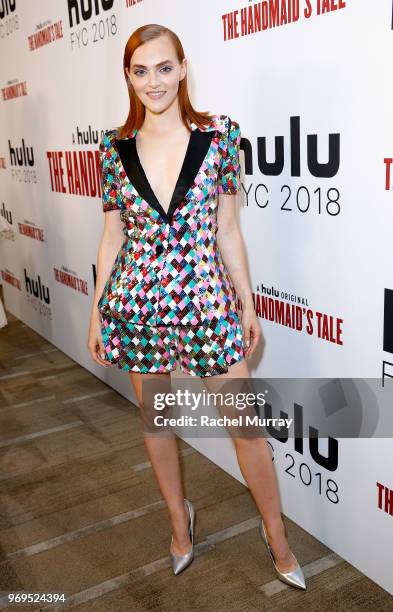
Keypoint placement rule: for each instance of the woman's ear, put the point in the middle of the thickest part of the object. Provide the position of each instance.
(183, 69)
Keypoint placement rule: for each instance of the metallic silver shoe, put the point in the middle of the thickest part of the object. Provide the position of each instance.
(180, 562)
(295, 577)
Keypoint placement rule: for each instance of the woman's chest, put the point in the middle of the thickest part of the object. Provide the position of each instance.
(196, 182)
(162, 161)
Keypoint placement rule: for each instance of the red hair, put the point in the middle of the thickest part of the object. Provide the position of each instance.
(136, 113)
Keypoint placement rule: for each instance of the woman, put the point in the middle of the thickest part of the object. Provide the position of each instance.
(168, 298)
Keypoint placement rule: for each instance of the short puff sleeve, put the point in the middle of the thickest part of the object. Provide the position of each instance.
(229, 170)
(111, 193)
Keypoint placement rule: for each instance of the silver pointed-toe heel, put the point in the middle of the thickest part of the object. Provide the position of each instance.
(180, 562)
(295, 577)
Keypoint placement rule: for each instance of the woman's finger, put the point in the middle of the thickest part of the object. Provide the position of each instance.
(246, 336)
(95, 350)
(100, 352)
(255, 335)
(101, 349)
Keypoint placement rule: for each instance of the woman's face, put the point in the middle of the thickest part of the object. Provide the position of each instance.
(154, 68)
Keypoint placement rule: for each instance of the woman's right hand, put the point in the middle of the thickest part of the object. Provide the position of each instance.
(94, 343)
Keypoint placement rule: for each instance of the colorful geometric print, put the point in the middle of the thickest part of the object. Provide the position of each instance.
(199, 351)
(229, 173)
(169, 270)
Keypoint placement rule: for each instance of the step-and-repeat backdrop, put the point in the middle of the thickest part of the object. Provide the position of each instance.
(309, 82)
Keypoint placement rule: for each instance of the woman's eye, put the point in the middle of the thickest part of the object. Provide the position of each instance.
(165, 68)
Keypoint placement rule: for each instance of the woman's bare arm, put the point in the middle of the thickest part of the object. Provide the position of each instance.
(110, 243)
(111, 240)
(231, 245)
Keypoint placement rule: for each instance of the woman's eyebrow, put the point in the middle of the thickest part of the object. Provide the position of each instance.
(160, 64)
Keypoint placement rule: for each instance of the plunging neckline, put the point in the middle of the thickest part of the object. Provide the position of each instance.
(197, 150)
(142, 170)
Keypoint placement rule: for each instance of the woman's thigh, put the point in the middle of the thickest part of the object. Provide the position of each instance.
(150, 390)
(236, 385)
(238, 374)
(144, 382)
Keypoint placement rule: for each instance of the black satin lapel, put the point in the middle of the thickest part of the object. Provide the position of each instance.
(195, 155)
(197, 149)
(126, 149)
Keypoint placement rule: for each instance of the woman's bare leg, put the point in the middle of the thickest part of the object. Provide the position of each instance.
(255, 462)
(164, 457)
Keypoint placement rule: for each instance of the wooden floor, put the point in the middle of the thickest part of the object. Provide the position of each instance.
(80, 511)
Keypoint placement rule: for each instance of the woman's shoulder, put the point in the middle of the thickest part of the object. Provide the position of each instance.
(110, 134)
(107, 138)
(226, 123)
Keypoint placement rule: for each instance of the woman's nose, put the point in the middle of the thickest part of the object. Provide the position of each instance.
(153, 79)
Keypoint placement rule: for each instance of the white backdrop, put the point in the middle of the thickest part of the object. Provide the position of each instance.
(317, 226)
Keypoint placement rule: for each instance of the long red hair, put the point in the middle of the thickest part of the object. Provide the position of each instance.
(136, 113)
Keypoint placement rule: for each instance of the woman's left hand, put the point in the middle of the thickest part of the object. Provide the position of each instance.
(251, 330)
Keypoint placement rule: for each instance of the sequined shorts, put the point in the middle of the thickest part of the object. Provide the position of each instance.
(199, 350)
